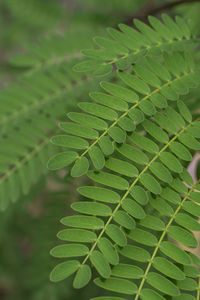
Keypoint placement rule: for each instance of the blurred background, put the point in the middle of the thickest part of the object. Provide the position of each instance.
(43, 36)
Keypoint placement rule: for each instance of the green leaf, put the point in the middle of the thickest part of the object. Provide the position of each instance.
(106, 145)
(135, 253)
(158, 100)
(180, 150)
(162, 206)
(189, 141)
(97, 157)
(155, 131)
(185, 176)
(121, 167)
(195, 259)
(69, 250)
(110, 45)
(184, 111)
(109, 180)
(152, 222)
(158, 69)
(80, 167)
(144, 143)
(92, 208)
(175, 117)
(127, 271)
(188, 284)
(69, 141)
(176, 253)
(110, 101)
(82, 277)
(99, 53)
(136, 115)
(150, 183)
(64, 270)
(147, 31)
(161, 29)
(62, 160)
(77, 235)
(194, 129)
(165, 123)
(184, 297)
(119, 91)
(108, 250)
(171, 162)
(168, 268)
(126, 124)
(117, 134)
(87, 65)
(195, 196)
(103, 70)
(123, 286)
(134, 82)
(79, 130)
(116, 234)
(132, 208)
(99, 194)
(147, 294)
(183, 236)
(98, 110)
(107, 298)
(162, 284)
(82, 222)
(100, 264)
(133, 154)
(123, 219)
(178, 185)
(187, 221)
(136, 37)
(170, 195)
(184, 28)
(147, 75)
(161, 172)
(174, 29)
(88, 121)
(142, 237)
(120, 37)
(147, 107)
(191, 271)
(192, 208)
(139, 194)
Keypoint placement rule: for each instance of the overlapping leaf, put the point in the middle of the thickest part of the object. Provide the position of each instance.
(120, 214)
(106, 121)
(134, 141)
(127, 45)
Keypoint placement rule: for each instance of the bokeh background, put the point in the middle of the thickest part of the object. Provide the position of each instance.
(28, 29)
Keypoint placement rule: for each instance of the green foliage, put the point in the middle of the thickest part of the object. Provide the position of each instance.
(134, 141)
(131, 231)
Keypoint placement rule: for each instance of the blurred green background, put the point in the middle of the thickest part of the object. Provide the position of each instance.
(28, 227)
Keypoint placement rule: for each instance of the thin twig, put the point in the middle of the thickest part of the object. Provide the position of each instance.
(150, 9)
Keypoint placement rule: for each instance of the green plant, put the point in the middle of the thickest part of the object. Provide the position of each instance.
(134, 142)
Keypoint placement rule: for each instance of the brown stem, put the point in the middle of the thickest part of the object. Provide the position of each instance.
(150, 9)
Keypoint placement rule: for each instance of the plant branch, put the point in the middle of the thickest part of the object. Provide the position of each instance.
(150, 9)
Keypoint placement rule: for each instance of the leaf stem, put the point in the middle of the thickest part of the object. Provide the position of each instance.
(161, 239)
(129, 189)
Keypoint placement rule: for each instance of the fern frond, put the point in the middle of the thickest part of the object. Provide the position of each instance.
(32, 106)
(51, 53)
(155, 170)
(134, 143)
(116, 115)
(169, 249)
(126, 46)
